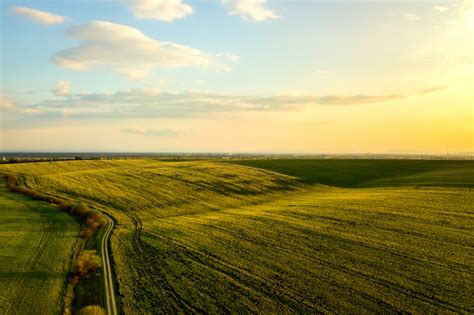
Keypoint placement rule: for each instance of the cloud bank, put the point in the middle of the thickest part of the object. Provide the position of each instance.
(164, 10)
(126, 50)
(38, 16)
(149, 103)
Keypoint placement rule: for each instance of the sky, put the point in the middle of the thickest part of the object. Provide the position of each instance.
(255, 76)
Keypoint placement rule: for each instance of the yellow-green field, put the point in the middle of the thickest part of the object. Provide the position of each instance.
(37, 242)
(216, 237)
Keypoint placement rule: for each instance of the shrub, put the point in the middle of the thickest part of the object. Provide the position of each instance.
(87, 263)
(95, 221)
(91, 310)
(12, 181)
(81, 210)
(86, 233)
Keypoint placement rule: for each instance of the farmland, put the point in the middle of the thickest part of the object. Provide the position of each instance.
(37, 242)
(373, 173)
(280, 236)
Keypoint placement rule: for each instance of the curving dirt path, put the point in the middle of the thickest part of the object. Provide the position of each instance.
(111, 305)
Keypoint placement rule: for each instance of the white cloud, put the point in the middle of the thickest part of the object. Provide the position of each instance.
(38, 16)
(62, 88)
(411, 16)
(164, 10)
(440, 9)
(126, 50)
(228, 56)
(252, 10)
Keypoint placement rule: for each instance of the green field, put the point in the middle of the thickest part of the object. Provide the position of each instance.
(357, 236)
(37, 241)
(373, 173)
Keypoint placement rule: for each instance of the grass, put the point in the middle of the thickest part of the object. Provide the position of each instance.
(372, 173)
(37, 243)
(281, 236)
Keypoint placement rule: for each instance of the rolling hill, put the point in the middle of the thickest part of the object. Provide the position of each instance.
(280, 236)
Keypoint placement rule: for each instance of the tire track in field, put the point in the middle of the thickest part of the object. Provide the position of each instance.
(145, 258)
(235, 273)
(19, 286)
(346, 241)
(287, 297)
(427, 298)
(423, 297)
(388, 284)
(294, 293)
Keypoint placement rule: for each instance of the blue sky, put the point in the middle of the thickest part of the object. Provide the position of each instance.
(229, 64)
(289, 52)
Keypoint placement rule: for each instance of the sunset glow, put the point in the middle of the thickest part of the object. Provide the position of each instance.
(241, 76)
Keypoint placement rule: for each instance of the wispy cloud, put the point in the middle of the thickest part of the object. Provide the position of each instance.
(38, 16)
(164, 10)
(358, 99)
(252, 10)
(126, 50)
(62, 88)
(149, 103)
(151, 132)
(6, 102)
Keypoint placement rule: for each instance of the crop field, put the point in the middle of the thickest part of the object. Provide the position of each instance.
(280, 236)
(373, 173)
(37, 242)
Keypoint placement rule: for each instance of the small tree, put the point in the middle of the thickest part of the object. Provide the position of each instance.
(87, 263)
